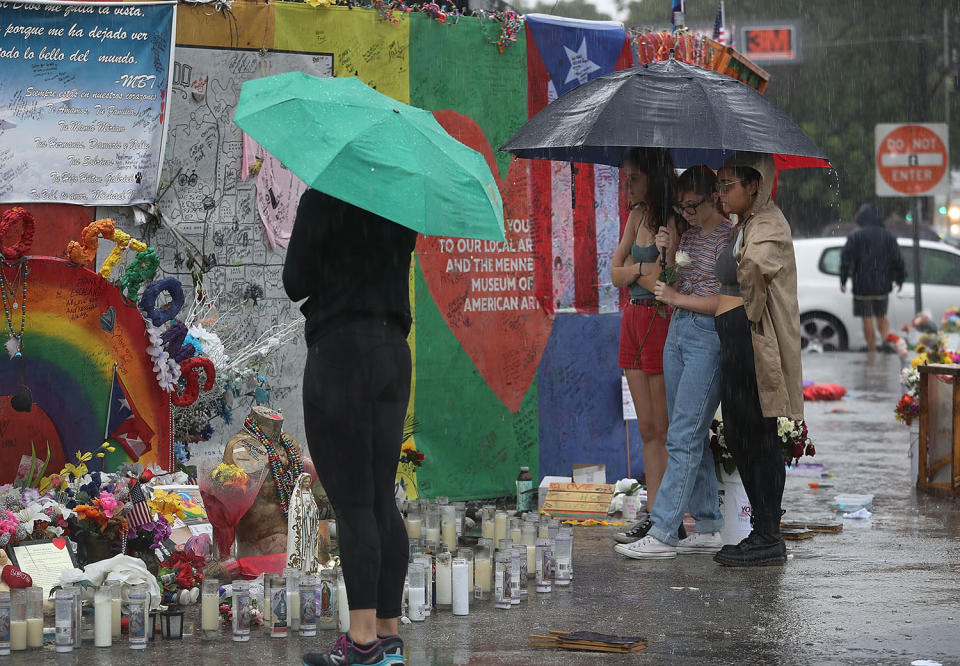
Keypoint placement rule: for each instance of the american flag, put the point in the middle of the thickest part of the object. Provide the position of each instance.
(576, 208)
(140, 513)
(720, 26)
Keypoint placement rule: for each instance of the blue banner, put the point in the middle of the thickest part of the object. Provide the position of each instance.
(83, 89)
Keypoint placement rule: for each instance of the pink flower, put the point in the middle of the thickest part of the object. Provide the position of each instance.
(109, 504)
(9, 524)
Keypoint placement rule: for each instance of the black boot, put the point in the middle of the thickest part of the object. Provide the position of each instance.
(764, 547)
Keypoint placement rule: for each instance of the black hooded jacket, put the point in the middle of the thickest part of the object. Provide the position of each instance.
(871, 256)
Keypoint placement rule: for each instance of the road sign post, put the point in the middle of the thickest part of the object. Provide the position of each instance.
(912, 161)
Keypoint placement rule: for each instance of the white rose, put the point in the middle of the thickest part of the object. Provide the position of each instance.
(682, 259)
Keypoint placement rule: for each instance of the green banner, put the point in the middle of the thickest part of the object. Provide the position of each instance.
(474, 443)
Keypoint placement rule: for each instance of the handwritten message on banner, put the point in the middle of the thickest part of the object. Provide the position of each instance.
(83, 91)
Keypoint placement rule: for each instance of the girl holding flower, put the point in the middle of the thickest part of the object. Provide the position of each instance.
(691, 365)
(650, 181)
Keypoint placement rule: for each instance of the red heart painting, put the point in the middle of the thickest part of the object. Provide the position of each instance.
(60, 543)
(484, 289)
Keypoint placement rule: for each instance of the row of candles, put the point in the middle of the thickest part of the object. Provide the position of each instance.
(510, 551)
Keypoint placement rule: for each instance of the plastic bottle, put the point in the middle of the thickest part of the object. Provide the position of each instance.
(524, 490)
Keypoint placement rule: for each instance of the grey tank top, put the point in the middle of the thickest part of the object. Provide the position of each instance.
(726, 272)
(648, 254)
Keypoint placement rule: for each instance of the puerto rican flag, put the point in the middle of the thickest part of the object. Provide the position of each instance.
(124, 424)
(577, 210)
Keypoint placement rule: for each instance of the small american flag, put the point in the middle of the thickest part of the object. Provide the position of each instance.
(140, 513)
(719, 26)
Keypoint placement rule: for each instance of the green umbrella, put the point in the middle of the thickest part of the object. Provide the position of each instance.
(345, 139)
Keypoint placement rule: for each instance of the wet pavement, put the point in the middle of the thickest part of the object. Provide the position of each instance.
(883, 591)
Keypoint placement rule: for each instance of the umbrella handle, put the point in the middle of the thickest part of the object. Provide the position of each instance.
(663, 254)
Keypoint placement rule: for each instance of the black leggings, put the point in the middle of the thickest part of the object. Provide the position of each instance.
(356, 386)
(751, 437)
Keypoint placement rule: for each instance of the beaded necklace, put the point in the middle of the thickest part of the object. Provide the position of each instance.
(282, 480)
(23, 271)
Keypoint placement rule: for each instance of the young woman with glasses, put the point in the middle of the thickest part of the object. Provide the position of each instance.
(758, 322)
(691, 364)
(650, 182)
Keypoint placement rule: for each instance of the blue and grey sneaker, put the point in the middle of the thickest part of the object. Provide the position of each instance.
(346, 653)
(392, 649)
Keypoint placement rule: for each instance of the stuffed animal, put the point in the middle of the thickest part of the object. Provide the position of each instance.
(10, 576)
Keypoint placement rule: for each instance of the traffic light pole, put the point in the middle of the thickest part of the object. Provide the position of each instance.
(917, 296)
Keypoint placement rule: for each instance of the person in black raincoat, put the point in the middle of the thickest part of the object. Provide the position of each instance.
(873, 260)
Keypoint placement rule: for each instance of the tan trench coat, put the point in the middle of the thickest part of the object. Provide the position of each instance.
(768, 283)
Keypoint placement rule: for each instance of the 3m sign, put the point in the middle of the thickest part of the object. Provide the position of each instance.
(911, 159)
(776, 43)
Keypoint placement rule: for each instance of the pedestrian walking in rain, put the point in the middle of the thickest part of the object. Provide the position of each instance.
(651, 188)
(873, 260)
(691, 364)
(352, 267)
(758, 322)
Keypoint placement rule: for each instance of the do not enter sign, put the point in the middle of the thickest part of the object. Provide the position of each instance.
(912, 159)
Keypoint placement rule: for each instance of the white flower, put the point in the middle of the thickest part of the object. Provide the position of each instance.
(682, 259)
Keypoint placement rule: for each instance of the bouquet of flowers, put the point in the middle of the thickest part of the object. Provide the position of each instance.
(180, 571)
(228, 492)
(924, 322)
(899, 345)
(796, 440)
(26, 515)
(722, 457)
(410, 455)
(794, 435)
(950, 323)
(907, 409)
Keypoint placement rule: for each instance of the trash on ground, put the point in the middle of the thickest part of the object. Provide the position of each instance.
(589, 641)
(852, 501)
(859, 514)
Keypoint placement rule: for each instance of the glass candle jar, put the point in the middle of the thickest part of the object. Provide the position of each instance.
(34, 617)
(448, 526)
(432, 527)
(460, 586)
(292, 577)
(444, 580)
(103, 616)
(520, 551)
(515, 532)
(516, 563)
(414, 522)
(487, 526)
(418, 593)
(116, 601)
(138, 615)
(544, 565)
(63, 621)
(563, 553)
(241, 611)
(327, 600)
(483, 571)
(278, 607)
(308, 605)
(501, 579)
(18, 620)
(426, 561)
(466, 554)
(210, 607)
(499, 527)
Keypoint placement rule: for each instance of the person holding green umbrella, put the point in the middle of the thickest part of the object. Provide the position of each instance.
(350, 267)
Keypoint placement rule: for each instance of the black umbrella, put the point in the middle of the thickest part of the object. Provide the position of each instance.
(702, 116)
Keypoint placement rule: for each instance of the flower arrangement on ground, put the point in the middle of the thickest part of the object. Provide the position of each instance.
(410, 455)
(794, 436)
(950, 322)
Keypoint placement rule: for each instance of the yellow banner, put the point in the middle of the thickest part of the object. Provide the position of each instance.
(363, 45)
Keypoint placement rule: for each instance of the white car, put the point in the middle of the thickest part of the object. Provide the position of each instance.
(826, 314)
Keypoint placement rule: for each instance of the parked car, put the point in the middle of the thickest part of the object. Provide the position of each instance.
(826, 314)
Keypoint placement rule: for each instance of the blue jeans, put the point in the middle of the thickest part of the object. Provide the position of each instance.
(691, 372)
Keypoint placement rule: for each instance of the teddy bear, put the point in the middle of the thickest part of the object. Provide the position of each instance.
(11, 576)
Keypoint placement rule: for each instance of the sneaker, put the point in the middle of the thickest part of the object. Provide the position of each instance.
(647, 548)
(392, 649)
(701, 542)
(346, 653)
(634, 533)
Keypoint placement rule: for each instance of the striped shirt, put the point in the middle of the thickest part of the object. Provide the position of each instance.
(698, 277)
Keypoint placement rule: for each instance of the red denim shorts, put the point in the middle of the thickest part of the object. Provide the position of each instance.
(643, 325)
